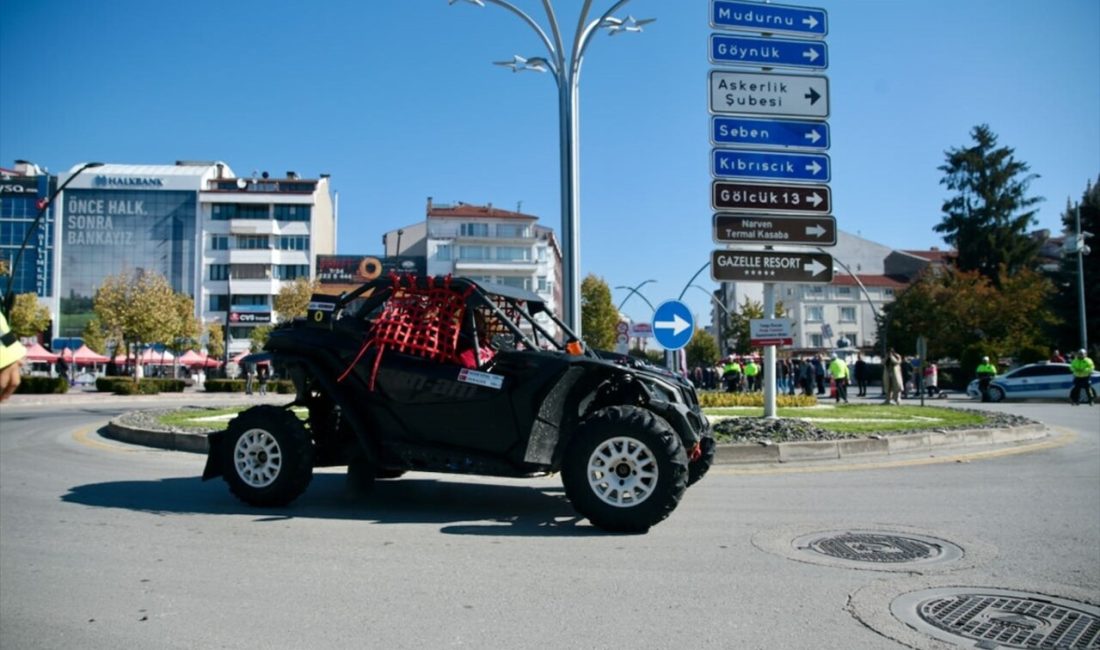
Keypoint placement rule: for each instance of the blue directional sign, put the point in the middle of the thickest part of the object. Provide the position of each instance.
(673, 324)
(768, 52)
(768, 165)
(769, 134)
(770, 18)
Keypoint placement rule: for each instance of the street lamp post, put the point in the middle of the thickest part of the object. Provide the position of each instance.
(566, 74)
(43, 205)
(634, 290)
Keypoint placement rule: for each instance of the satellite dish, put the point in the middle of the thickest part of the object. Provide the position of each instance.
(242, 183)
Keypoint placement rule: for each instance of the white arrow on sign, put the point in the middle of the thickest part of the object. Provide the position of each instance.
(810, 20)
(815, 199)
(811, 54)
(815, 230)
(814, 267)
(813, 136)
(677, 324)
(813, 167)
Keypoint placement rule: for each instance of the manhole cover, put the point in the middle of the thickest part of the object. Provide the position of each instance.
(998, 618)
(863, 547)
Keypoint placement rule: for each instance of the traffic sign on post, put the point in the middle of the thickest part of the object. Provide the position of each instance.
(771, 18)
(765, 133)
(673, 324)
(732, 228)
(770, 266)
(769, 165)
(768, 52)
(771, 198)
(768, 93)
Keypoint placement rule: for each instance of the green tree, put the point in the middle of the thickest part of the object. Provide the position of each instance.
(987, 219)
(94, 336)
(293, 299)
(215, 340)
(598, 316)
(28, 317)
(960, 311)
(258, 337)
(1065, 301)
(137, 309)
(188, 327)
(702, 349)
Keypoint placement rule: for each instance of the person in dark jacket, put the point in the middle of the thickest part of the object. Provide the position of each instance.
(861, 376)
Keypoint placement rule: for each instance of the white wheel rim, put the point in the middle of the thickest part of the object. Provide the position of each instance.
(622, 472)
(258, 458)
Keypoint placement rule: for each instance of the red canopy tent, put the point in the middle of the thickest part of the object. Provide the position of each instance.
(83, 355)
(36, 352)
(151, 356)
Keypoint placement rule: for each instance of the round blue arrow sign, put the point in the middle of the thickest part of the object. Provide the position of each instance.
(673, 324)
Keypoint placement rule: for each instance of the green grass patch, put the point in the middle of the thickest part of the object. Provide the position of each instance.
(867, 419)
(213, 419)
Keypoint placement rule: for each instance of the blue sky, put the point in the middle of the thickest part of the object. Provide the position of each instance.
(399, 102)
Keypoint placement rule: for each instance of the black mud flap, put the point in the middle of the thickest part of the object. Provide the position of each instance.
(213, 456)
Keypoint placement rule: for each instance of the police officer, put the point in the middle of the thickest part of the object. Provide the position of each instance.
(838, 369)
(731, 375)
(752, 372)
(986, 372)
(1082, 368)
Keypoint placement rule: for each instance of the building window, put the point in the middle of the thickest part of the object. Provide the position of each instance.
(293, 243)
(443, 253)
(473, 252)
(847, 314)
(251, 272)
(511, 231)
(291, 271)
(851, 337)
(223, 211)
(815, 314)
(817, 289)
(226, 211)
(542, 253)
(251, 300)
(889, 293)
(843, 291)
(513, 254)
(219, 242)
(253, 242)
(219, 271)
(474, 230)
(218, 302)
(518, 283)
(543, 284)
(293, 212)
(816, 341)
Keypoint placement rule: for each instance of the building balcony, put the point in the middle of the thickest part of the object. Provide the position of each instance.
(257, 287)
(495, 265)
(258, 256)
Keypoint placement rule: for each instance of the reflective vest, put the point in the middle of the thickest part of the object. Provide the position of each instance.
(986, 370)
(838, 369)
(1081, 367)
(751, 369)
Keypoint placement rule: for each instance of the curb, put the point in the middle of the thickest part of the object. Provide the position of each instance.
(725, 454)
(791, 452)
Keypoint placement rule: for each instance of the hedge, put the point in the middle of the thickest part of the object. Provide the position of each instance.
(280, 386)
(42, 385)
(144, 386)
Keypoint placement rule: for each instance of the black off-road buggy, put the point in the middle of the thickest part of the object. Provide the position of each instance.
(387, 373)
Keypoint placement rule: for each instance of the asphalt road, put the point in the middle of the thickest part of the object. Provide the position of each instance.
(107, 545)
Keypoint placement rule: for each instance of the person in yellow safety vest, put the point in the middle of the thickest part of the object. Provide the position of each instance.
(12, 353)
(752, 375)
(731, 374)
(1082, 368)
(838, 370)
(986, 372)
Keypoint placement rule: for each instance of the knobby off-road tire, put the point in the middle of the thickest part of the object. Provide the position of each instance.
(625, 470)
(698, 468)
(268, 456)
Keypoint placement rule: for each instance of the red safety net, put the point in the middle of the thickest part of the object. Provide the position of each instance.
(421, 318)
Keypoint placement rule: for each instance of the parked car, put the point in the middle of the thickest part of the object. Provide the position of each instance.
(1035, 380)
(449, 375)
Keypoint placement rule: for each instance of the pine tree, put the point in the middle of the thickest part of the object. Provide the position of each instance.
(988, 218)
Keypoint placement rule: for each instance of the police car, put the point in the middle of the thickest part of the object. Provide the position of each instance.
(1035, 380)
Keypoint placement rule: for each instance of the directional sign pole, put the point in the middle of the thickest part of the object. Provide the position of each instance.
(769, 355)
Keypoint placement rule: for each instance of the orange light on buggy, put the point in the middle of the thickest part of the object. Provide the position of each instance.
(574, 347)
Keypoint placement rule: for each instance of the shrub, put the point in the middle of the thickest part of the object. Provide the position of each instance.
(108, 384)
(42, 385)
(224, 385)
(282, 386)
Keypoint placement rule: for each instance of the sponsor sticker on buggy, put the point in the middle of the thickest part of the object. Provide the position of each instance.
(485, 379)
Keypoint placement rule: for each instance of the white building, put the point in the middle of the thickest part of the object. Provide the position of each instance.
(229, 242)
(484, 243)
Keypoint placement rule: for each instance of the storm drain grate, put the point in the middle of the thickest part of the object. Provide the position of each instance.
(995, 618)
(876, 547)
